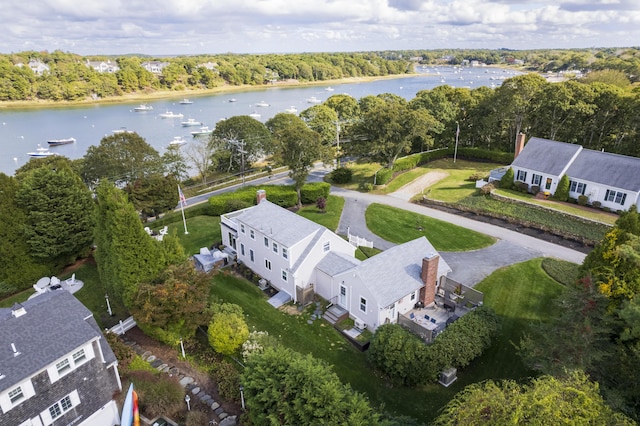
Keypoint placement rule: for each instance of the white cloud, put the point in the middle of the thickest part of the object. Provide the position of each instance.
(256, 26)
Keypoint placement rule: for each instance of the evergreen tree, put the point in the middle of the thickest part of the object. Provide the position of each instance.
(562, 190)
(506, 181)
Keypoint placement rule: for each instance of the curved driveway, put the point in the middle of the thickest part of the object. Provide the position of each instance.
(469, 267)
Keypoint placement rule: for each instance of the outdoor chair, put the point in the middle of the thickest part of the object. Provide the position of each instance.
(426, 317)
(433, 320)
(412, 316)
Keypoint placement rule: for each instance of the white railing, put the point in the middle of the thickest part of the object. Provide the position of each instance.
(123, 326)
(358, 241)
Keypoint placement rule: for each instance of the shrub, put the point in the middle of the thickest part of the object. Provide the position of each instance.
(534, 189)
(606, 209)
(562, 191)
(406, 163)
(596, 204)
(158, 393)
(341, 175)
(564, 272)
(487, 189)
(196, 418)
(310, 192)
(521, 186)
(321, 203)
(572, 200)
(365, 186)
(383, 176)
(582, 200)
(228, 379)
(506, 181)
(483, 155)
(122, 351)
(477, 176)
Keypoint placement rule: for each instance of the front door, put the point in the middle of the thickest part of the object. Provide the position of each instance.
(342, 297)
(232, 240)
(547, 185)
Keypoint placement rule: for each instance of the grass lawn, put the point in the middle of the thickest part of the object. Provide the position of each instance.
(400, 226)
(455, 186)
(203, 232)
(403, 179)
(520, 295)
(573, 209)
(330, 218)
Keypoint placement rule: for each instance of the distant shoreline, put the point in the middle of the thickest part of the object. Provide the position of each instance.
(139, 97)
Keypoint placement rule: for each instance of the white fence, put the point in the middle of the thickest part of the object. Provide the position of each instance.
(357, 241)
(123, 326)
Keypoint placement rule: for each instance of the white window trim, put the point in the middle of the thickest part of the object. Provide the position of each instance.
(284, 275)
(47, 419)
(361, 304)
(55, 375)
(27, 392)
(275, 247)
(252, 234)
(267, 264)
(285, 253)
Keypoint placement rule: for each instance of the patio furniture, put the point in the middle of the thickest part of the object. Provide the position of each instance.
(433, 320)
(426, 317)
(412, 316)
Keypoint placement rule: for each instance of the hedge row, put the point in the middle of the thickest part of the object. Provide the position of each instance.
(284, 196)
(412, 161)
(483, 155)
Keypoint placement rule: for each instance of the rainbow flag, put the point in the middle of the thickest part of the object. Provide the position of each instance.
(130, 412)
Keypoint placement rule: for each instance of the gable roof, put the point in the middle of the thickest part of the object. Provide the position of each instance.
(546, 156)
(280, 224)
(54, 324)
(619, 171)
(395, 273)
(335, 263)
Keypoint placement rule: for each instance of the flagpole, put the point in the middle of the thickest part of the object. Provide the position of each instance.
(455, 151)
(183, 201)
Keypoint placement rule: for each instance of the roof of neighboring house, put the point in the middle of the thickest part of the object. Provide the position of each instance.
(395, 273)
(278, 223)
(546, 156)
(54, 324)
(619, 171)
(334, 263)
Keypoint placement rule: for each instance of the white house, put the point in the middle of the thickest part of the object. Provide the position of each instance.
(300, 257)
(103, 67)
(279, 245)
(56, 367)
(612, 180)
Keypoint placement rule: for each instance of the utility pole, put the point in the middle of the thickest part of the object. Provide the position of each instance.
(338, 143)
(239, 144)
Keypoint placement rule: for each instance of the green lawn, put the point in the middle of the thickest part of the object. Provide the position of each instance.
(330, 218)
(400, 226)
(203, 232)
(573, 209)
(520, 295)
(455, 186)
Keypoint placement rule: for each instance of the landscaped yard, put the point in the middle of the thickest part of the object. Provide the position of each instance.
(400, 226)
(330, 218)
(203, 232)
(520, 294)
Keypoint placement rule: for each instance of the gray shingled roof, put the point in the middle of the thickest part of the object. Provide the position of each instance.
(283, 226)
(395, 272)
(605, 168)
(334, 263)
(55, 323)
(546, 156)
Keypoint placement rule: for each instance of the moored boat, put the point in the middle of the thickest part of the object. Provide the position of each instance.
(170, 114)
(313, 100)
(121, 130)
(203, 131)
(329, 89)
(191, 122)
(143, 107)
(186, 101)
(177, 141)
(255, 115)
(56, 142)
(41, 152)
(291, 110)
(262, 104)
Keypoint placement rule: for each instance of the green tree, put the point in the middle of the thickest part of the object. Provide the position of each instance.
(59, 214)
(562, 190)
(506, 181)
(545, 400)
(174, 304)
(126, 254)
(19, 269)
(227, 330)
(154, 194)
(122, 157)
(175, 164)
(284, 387)
(243, 139)
(297, 147)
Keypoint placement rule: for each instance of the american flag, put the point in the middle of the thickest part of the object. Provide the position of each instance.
(183, 200)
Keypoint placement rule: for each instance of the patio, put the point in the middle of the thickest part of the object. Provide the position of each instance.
(47, 284)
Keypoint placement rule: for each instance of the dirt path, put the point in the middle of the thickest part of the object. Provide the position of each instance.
(417, 185)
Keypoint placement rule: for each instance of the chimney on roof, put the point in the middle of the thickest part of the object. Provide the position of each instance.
(519, 144)
(261, 194)
(429, 276)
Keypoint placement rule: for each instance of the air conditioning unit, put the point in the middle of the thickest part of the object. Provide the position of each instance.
(359, 324)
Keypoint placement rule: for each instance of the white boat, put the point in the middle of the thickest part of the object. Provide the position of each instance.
(203, 131)
(233, 100)
(177, 141)
(170, 114)
(262, 104)
(143, 107)
(329, 89)
(255, 115)
(186, 101)
(291, 110)
(191, 122)
(41, 152)
(121, 130)
(313, 100)
(56, 142)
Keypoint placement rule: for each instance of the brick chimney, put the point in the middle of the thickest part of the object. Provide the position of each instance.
(261, 194)
(519, 144)
(429, 276)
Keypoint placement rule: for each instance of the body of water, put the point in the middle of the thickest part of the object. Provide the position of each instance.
(23, 131)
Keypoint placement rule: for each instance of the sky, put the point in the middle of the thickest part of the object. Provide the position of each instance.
(185, 27)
